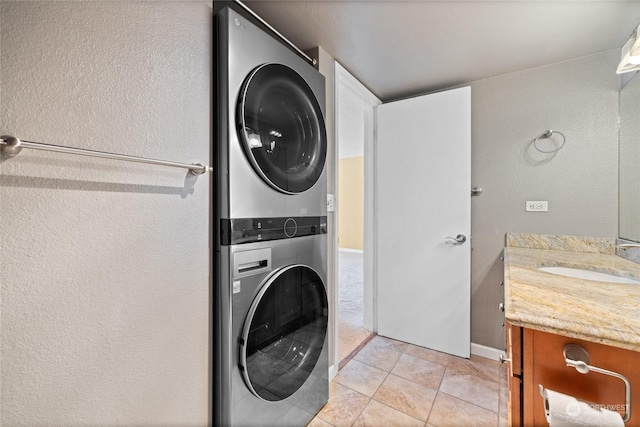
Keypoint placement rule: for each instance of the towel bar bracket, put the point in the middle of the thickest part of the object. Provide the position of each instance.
(11, 146)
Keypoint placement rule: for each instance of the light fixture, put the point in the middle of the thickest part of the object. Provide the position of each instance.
(630, 60)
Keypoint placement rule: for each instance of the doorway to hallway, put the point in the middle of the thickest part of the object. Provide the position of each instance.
(355, 285)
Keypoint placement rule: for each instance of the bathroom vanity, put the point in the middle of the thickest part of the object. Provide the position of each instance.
(545, 312)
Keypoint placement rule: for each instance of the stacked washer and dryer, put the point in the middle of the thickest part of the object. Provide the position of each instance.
(270, 307)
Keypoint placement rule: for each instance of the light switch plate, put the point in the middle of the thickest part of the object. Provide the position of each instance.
(330, 207)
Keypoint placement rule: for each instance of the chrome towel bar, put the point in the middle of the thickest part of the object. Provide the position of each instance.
(11, 146)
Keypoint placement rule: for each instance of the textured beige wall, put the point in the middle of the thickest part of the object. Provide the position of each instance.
(351, 202)
(105, 267)
(580, 99)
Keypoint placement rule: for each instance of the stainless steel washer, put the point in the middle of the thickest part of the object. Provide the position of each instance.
(270, 324)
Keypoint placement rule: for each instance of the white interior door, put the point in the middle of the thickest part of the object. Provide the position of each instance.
(423, 198)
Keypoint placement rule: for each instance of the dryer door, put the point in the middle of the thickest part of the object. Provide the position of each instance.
(284, 332)
(282, 128)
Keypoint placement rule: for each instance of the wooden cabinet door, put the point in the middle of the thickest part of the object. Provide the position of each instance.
(514, 353)
(544, 364)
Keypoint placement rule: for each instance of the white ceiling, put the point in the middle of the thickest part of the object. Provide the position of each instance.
(402, 48)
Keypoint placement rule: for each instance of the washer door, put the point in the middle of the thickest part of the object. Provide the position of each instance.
(282, 128)
(284, 332)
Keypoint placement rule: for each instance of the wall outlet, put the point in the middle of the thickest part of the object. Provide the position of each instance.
(330, 207)
(537, 206)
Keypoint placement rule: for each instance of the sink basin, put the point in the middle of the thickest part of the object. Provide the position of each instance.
(595, 276)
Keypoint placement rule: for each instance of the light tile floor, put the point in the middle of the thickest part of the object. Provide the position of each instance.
(392, 383)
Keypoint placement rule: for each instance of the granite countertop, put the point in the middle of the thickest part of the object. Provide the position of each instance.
(603, 312)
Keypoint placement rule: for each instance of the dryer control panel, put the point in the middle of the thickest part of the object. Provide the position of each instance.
(249, 230)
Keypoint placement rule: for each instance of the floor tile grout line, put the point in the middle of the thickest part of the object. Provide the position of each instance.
(373, 394)
(397, 410)
(432, 405)
(383, 380)
(374, 366)
(475, 404)
(466, 401)
(442, 377)
(391, 373)
(429, 360)
(361, 411)
(439, 383)
(479, 378)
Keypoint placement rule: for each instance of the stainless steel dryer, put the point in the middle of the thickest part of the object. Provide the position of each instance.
(270, 125)
(270, 323)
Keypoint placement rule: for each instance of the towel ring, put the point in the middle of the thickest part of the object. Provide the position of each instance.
(548, 134)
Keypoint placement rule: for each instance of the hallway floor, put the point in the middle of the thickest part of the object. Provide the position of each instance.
(351, 330)
(392, 383)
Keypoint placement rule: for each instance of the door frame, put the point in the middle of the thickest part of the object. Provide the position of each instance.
(342, 76)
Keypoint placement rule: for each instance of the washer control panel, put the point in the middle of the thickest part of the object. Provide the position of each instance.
(250, 230)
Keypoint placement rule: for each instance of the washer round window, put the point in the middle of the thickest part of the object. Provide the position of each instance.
(282, 128)
(284, 333)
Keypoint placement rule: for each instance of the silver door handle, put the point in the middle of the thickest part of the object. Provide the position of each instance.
(460, 238)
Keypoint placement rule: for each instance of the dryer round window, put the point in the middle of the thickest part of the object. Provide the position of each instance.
(282, 128)
(284, 332)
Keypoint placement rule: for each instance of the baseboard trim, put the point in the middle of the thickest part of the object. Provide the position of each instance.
(476, 350)
(356, 251)
(332, 372)
(486, 352)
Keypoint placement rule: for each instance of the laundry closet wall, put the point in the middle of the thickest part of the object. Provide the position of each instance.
(105, 264)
